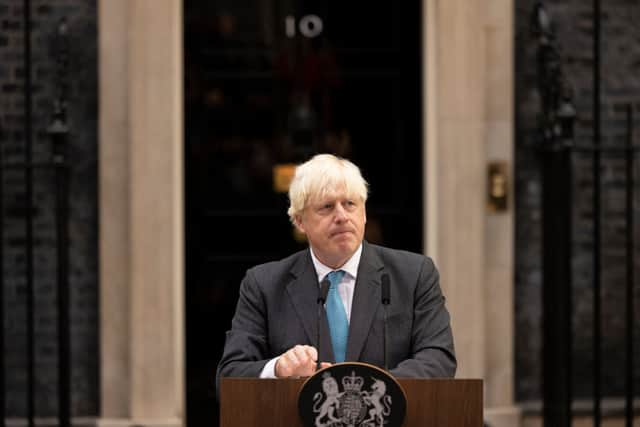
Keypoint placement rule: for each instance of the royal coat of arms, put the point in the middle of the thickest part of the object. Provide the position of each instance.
(351, 401)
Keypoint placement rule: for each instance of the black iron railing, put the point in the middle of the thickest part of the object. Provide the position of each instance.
(558, 149)
(58, 164)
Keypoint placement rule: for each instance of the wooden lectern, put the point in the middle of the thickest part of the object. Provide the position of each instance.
(274, 402)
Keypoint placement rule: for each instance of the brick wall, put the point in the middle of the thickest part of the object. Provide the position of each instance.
(82, 114)
(620, 84)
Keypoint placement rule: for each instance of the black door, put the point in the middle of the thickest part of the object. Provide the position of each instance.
(267, 85)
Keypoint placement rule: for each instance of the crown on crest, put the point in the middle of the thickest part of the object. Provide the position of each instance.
(352, 382)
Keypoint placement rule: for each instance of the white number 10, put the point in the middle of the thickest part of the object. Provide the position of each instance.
(309, 26)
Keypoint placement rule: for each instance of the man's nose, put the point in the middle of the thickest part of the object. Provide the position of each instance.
(340, 213)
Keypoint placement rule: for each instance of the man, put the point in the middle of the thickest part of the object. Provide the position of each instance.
(274, 330)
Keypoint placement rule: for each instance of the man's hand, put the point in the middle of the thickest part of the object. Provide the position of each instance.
(299, 361)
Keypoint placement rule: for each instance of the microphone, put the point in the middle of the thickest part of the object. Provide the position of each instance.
(323, 290)
(385, 299)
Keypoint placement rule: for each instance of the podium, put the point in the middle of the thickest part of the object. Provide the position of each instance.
(274, 402)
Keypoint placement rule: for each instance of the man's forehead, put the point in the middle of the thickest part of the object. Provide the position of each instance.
(332, 195)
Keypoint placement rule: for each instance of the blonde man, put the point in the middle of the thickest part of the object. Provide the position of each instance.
(274, 329)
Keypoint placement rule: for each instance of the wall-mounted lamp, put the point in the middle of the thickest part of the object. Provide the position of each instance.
(497, 187)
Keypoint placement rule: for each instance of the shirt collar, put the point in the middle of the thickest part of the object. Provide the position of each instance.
(350, 267)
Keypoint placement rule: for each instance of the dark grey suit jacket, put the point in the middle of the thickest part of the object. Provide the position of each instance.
(277, 309)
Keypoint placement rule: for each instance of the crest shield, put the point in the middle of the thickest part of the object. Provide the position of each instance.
(352, 394)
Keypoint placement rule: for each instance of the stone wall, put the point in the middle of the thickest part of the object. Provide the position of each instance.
(82, 118)
(620, 85)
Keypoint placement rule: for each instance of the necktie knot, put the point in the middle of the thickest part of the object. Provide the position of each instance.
(335, 277)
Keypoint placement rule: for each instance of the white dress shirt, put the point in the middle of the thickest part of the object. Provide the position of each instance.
(345, 289)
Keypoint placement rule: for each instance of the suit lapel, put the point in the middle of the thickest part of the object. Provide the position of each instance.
(303, 291)
(366, 300)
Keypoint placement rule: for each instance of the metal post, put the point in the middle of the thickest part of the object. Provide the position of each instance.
(629, 262)
(62, 231)
(28, 214)
(2, 349)
(596, 217)
(59, 132)
(557, 280)
(558, 115)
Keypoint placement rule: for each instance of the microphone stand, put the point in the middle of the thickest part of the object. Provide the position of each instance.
(323, 290)
(386, 299)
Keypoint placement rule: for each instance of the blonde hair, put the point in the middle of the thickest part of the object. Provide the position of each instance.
(324, 174)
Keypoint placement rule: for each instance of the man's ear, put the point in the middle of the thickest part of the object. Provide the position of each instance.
(297, 221)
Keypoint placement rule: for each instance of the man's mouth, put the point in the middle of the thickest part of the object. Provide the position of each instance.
(340, 232)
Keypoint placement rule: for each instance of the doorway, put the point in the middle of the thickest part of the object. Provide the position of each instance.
(267, 85)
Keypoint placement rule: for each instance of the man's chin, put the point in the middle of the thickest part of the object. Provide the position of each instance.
(346, 246)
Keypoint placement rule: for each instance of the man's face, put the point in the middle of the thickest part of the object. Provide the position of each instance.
(334, 225)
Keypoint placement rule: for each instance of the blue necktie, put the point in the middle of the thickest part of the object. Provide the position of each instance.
(337, 317)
